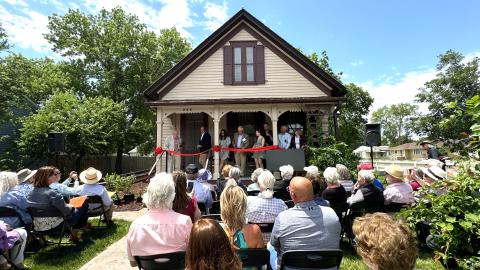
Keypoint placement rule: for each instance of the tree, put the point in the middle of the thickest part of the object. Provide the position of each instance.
(118, 58)
(456, 81)
(90, 126)
(3, 39)
(397, 122)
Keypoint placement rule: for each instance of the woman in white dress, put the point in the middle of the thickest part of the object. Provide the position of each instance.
(225, 141)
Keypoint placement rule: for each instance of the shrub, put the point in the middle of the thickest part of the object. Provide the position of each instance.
(454, 217)
(119, 183)
(330, 153)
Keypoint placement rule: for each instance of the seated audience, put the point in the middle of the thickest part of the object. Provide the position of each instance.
(376, 181)
(183, 202)
(235, 174)
(66, 192)
(13, 245)
(200, 191)
(204, 176)
(209, 248)
(384, 243)
(90, 178)
(25, 179)
(280, 186)
(233, 205)
(311, 169)
(11, 198)
(44, 197)
(432, 175)
(221, 181)
(72, 180)
(254, 177)
(160, 230)
(345, 177)
(415, 176)
(263, 208)
(306, 226)
(366, 193)
(319, 185)
(334, 193)
(397, 190)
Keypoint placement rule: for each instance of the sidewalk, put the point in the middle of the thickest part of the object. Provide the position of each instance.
(115, 256)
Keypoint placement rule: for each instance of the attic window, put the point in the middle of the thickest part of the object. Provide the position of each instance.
(244, 63)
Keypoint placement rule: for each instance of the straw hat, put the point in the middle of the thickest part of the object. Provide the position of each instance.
(395, 171)
(90, 176)
(25, 174)
(435, 173)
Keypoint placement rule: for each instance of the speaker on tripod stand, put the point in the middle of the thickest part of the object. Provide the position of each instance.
(373, 137)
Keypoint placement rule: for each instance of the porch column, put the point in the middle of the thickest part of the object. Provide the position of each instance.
(216, 141)
(275, 131)
(159, 137)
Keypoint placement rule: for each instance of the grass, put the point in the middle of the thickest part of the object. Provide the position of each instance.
(72, 257)
(351, 261)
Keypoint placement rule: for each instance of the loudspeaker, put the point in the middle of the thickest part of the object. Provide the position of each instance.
(56, 142)
(373, 135)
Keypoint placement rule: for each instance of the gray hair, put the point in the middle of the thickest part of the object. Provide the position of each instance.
(266, 180)
(235, 173)
(286, 171)
(343, 172)
(366, 175)
(8, 180)
(230, 183)
(255, 174)
(331, 175)
(160, 192)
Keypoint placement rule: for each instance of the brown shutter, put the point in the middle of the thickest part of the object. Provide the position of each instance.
(259, 64)
(227, 65)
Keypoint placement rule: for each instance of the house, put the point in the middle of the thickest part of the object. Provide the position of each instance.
(242, 74)
(379, 152)
(407, 151)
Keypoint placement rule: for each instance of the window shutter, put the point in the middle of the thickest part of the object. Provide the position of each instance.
(227, 65)
(259, 64)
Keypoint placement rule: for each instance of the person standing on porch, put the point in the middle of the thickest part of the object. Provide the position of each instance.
(240, 140)
(298, 141)
(225, 141)
(173, 143)
(284, 138)
(204, 144)
(268, 135)
(258, 156)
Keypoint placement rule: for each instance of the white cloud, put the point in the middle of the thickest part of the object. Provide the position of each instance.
(469, 56)
(357, 63)
(17, 3)
(215, 15)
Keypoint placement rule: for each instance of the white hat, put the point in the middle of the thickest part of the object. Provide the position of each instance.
(432, 163)
(435, 173)
(90, 176)
(311, 169)
(25, 174)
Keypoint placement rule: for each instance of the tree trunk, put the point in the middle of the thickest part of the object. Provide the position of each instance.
(118, 160)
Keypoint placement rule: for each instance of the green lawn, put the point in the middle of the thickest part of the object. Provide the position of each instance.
(71, 257)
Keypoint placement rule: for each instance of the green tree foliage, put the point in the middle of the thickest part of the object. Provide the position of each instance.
(456, 81)
(397, 122)
(91, 126)
(118, 58)
(332, 152)
(3, 39)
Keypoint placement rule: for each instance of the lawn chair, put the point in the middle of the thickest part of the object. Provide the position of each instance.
(312, 259)
(254, 257)
(98, 211)
(215, 207)
(216, 217)
(61, 231)
(7, 212)
(174, 260)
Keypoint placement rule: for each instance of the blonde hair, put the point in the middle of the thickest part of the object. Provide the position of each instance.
(385, 242)
(226, 170)
(233, 203)
(8, 180)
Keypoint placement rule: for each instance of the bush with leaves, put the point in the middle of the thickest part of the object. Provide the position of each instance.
(454, 217)
(331, 152)
(118, 183)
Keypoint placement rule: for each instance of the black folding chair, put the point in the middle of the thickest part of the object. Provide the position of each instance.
(253, 192)
(7, 212)
(216, 217)
(174, 260)
(264, 227)
(202, 207)
(61, 231)
(5, 255)
(98, 210)
(312, 259)
(214, 195)
(290, 203)
(215, 209)
(254, 257)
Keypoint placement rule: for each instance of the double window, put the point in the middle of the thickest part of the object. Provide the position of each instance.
(244, 63)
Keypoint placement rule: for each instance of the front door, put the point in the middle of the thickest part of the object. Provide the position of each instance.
(191, 124)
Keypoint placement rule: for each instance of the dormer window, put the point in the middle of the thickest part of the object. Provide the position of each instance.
(244, 63)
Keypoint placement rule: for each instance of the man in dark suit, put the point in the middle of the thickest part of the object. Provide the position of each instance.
(204, 144)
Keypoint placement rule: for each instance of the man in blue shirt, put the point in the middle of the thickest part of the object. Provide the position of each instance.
(284, 138)
(200, 191)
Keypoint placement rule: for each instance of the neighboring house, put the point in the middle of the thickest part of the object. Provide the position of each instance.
(246, 74)
(407, 151)
(379, 152)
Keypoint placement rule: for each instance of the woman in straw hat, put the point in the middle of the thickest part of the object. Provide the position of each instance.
(397, 190)
(25, 179)
(90, 177)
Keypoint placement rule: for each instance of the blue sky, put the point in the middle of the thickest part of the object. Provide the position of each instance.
(388, 47)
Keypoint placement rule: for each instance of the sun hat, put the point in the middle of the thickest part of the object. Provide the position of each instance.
(435, 173)
(191, 169)
(25, 174)
(311, 169)
(395, 171)
(90, 176)
(425, 142)
(431, 163)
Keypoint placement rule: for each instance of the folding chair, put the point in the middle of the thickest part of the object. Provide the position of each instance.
(216, 217)
(290, 203)
(312, 259)
(202, 207)
(7, 258)
(62, 231)
(214, 195)
(97, 211)
(215, 207)
(174, 260)
(254, 257)
(7, 212)
(252, 192)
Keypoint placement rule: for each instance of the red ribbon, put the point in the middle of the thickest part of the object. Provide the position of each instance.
(159, 150)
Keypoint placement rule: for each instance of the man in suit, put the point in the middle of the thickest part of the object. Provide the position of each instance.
(240, 140)
(204, 144)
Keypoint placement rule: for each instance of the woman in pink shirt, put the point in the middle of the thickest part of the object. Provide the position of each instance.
(160, 230)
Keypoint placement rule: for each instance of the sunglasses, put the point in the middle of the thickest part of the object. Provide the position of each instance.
(57, 173)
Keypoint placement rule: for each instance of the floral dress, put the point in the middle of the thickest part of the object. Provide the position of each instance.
(224, 155)
(260, 143)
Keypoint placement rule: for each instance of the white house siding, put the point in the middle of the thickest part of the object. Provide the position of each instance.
(206, 81)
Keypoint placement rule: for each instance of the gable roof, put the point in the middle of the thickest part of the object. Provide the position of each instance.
(184, 67)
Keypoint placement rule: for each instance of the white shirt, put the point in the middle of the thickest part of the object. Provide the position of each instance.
(239, 140)
(297, 142)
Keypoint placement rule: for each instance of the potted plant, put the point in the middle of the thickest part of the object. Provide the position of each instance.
(116, 199)
(123, 185)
